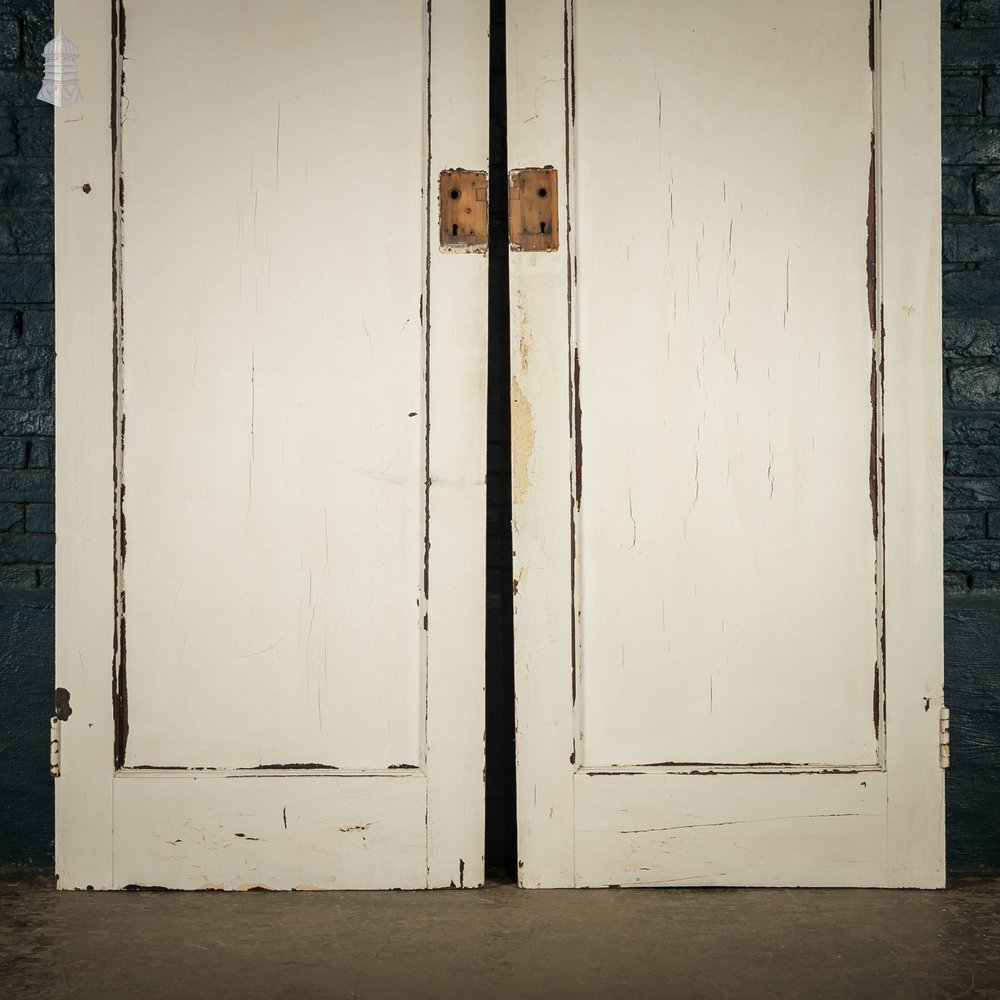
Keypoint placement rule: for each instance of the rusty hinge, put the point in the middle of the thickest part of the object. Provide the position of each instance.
(533, 207)
(945, 740)
(55, 745)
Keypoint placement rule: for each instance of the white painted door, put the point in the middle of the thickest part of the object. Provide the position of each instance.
(270, 375)
(726, 426)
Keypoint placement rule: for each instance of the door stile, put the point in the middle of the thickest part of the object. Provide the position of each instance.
(455, 318)
(85, 498)
(542, 450)
(911, 296)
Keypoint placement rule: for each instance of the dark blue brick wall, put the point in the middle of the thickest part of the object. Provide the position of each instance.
(970, 46)
(971, 199)
(27, 358)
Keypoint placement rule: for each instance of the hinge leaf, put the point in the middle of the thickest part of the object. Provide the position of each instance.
(944, 742)
(55, 746)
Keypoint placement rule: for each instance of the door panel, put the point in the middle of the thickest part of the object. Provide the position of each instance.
(291, 704)
(725, 544)
(727, 564)
(268, 392)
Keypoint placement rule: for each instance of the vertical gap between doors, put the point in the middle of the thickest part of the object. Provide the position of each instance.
(501, 818)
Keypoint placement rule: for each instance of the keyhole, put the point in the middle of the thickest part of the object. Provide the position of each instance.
(454, 229)
(542, 192)
(454, 194)
(543, 227)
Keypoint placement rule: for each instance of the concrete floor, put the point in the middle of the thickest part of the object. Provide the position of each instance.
(501, 942)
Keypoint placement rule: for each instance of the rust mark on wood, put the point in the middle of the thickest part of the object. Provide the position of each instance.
(62, 709)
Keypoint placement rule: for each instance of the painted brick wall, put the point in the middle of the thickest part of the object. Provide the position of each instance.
(971, 179)
(970, 46)
(27, 359)
(971, 185)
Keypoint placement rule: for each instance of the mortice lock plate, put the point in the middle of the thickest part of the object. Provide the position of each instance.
(464, 211)
(534, 216)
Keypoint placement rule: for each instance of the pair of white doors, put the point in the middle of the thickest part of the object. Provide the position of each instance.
(725, 421)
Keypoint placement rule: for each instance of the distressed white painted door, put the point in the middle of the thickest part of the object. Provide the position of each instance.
(726, 414)
(271, 377)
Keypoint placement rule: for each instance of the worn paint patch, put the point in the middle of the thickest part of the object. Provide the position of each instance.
(871, 223)
(119, 684)
(873, 446)
(524, 342)
(522, 441)
(577, 431)
(871, 35)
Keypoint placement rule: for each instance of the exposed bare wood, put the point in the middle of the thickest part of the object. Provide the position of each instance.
(464, 211)
(534, 209)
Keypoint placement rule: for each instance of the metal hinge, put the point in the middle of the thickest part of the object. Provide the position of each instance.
(55, 744)
(945, 740)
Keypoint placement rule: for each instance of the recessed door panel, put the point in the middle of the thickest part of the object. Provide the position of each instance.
(273, 388)
(727, 542)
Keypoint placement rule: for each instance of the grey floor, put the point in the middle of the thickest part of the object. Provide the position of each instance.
(501, 942)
